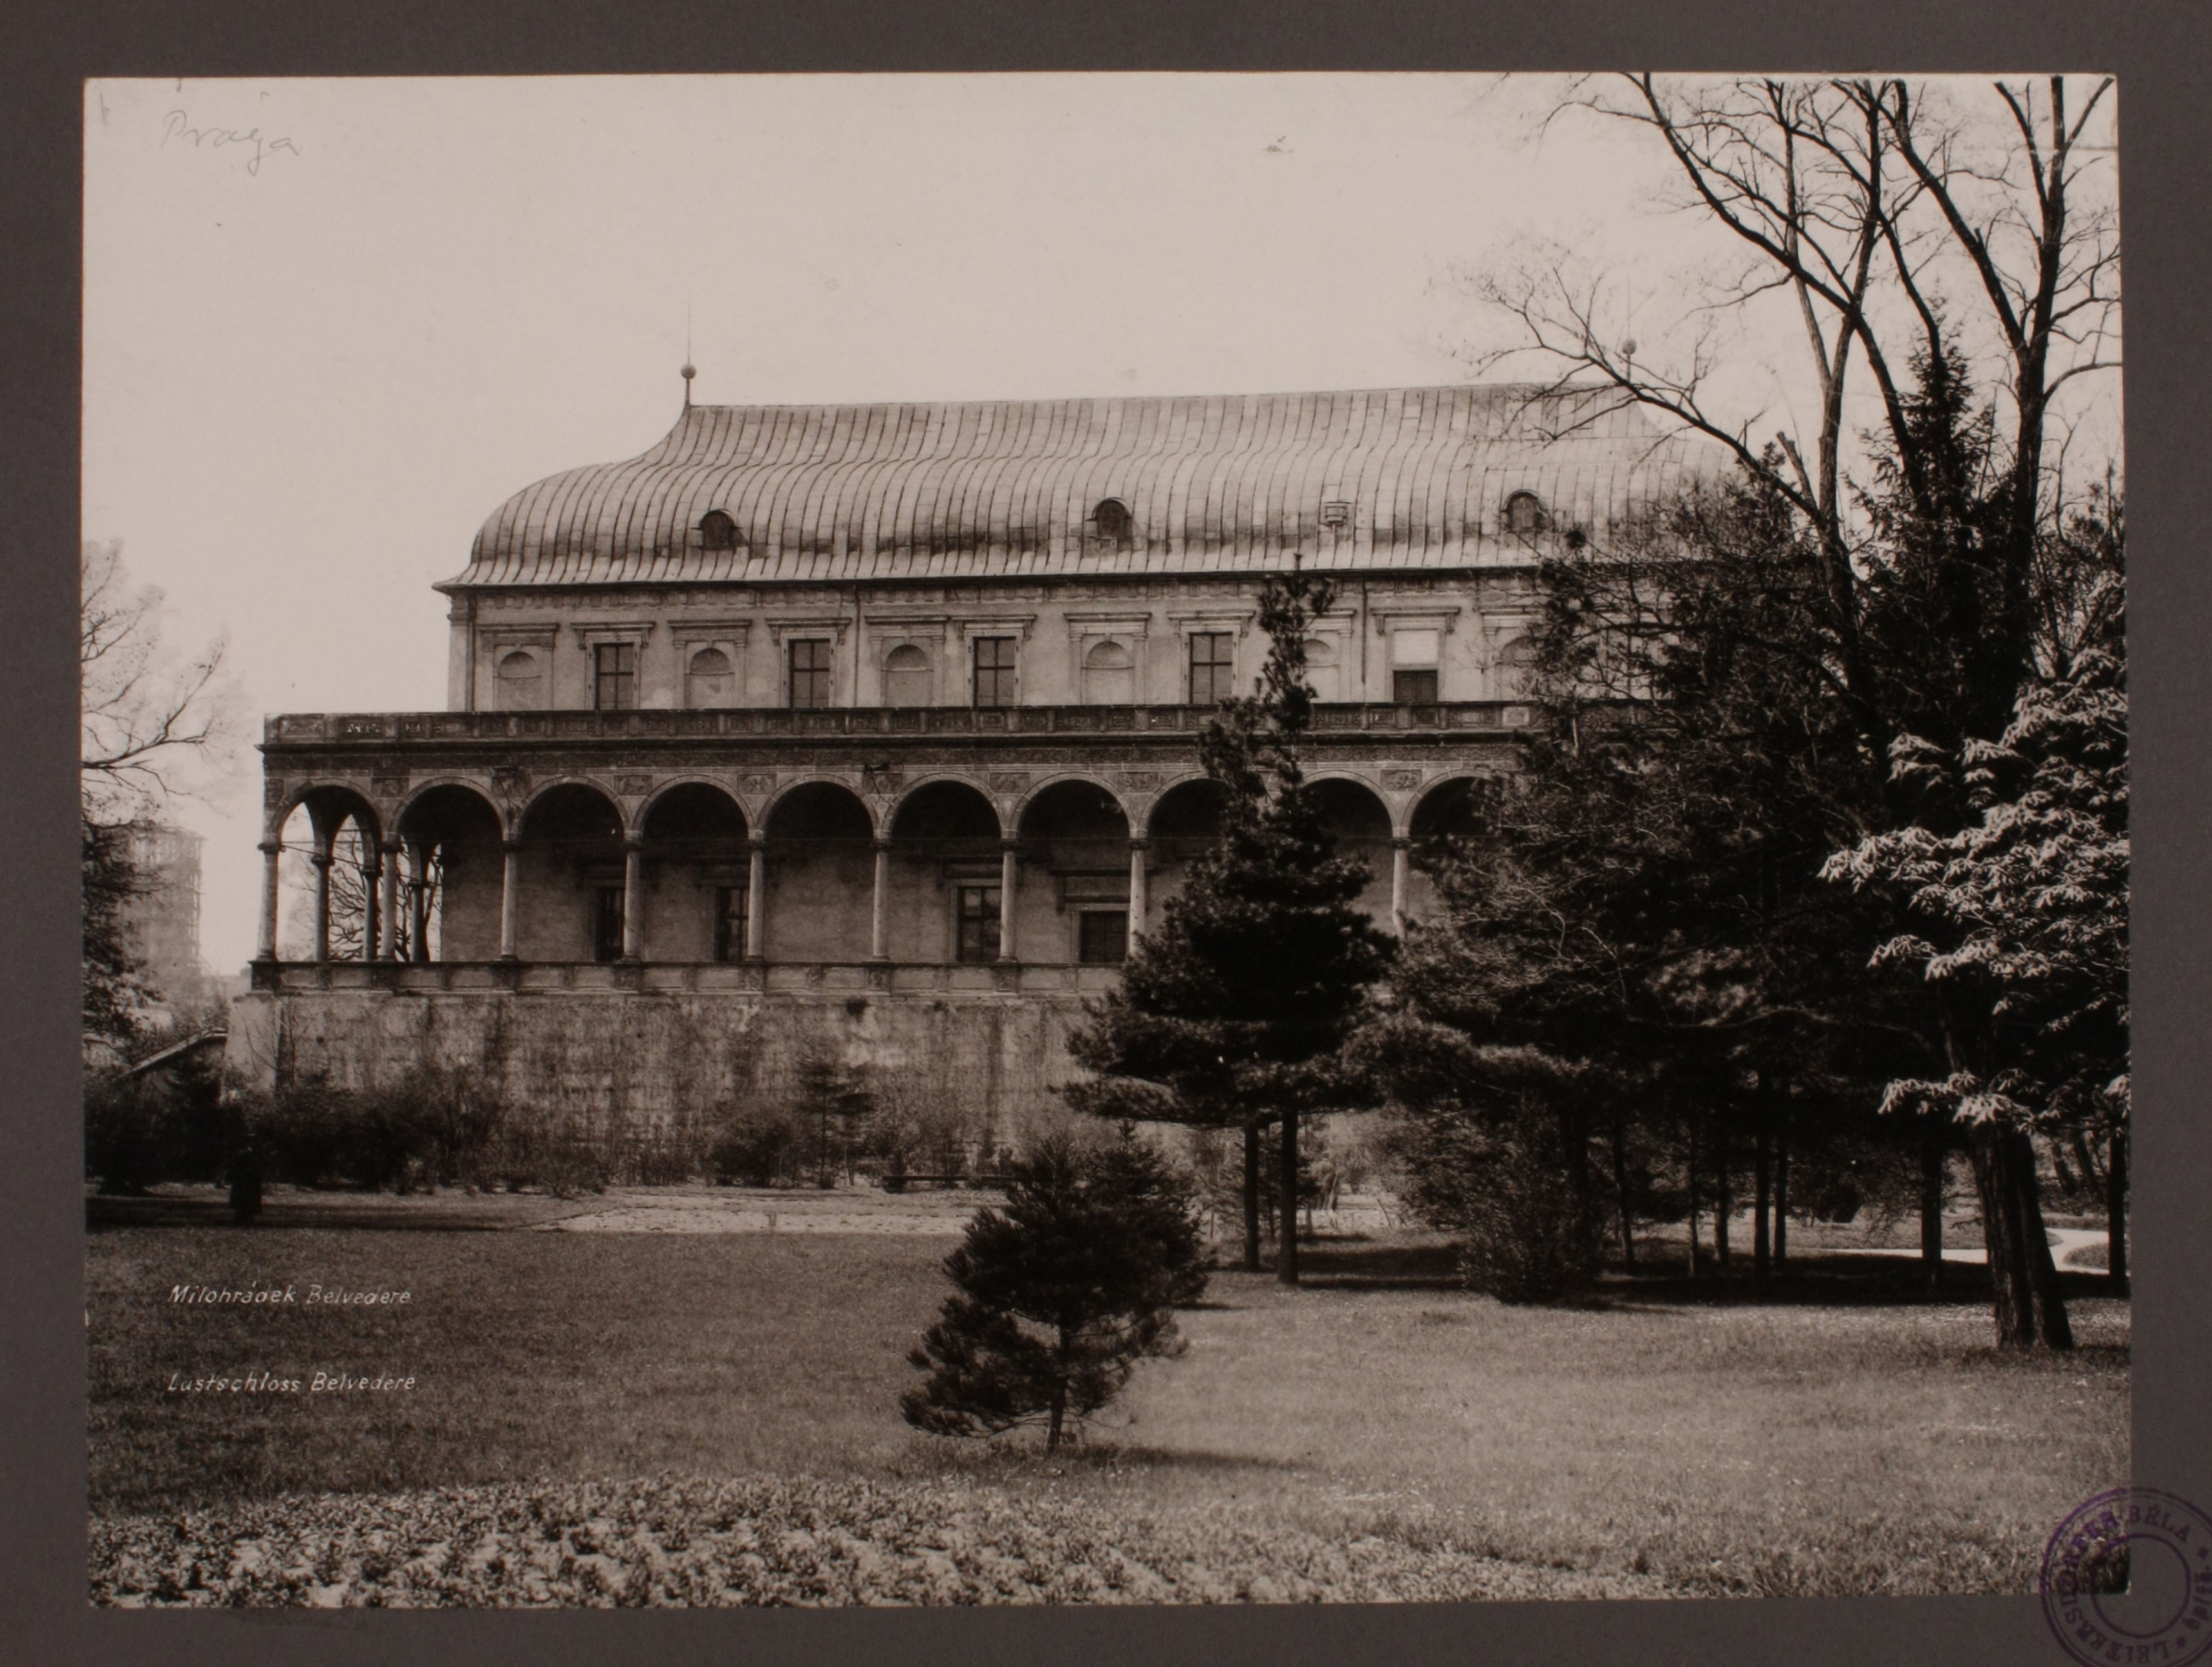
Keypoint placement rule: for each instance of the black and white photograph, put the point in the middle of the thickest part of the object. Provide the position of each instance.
(1110, 838)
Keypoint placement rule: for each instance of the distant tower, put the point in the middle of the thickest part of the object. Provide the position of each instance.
(689, 372)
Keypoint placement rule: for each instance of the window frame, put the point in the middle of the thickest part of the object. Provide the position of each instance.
(984, 949)
(733, 913)
(1004, 679)
(1222, 673)
(607, 925)
(1397, 689)
(825, 672)
(1083, 920)
(1540, 518)
(622, 676)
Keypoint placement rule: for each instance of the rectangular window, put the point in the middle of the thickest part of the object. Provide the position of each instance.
(729, 922)
(607, 925)
(1102, 939)
(994, 671)
(614, 676)
(1414, 688)
(978, 924)
(1213, 666)
(810, 671)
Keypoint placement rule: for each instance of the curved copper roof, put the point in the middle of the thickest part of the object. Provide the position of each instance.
(1008, 488)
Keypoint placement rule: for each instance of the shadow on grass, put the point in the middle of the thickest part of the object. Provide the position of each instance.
(490, 1213)
(1349, 1265)
(1818, 1281)
(1100, 1454)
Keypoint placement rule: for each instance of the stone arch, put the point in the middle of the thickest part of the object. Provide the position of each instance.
(694, 857)
(1188, 807)
(519, 827)
(1182, 824)
(1073, 898)
(569, 871)
(1358, 817)
(450, 832)
(328, 804)
(716, 784)
(1053, 784)
(789, 790)
(440, 787)
(818, 838)
(944, 867)
(1446, 815)
(1447, 808)
(326, 868)
(933, 786)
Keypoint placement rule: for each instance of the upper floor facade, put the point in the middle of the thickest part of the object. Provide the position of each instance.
(1055, 553)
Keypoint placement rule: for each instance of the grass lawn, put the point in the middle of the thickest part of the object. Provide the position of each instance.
(1841, 1436)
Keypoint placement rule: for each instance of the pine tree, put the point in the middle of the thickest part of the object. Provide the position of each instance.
(1062, 1292)
(1234, 1011)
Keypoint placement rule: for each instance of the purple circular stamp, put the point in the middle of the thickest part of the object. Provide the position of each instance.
(2126, 1580)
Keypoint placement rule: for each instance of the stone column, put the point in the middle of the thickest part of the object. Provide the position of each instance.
(511, 894)
(371, 913)
(880, 921)
(418, 903)
(322, 860)
(391, 943)
(1138, 848)
(756, 897)
(266, 948)
(1400, 872)
(1009, 871)
(633, 899)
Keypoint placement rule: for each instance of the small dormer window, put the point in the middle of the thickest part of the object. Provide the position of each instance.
(1112, 519)
(1525, 513)
(717, 532)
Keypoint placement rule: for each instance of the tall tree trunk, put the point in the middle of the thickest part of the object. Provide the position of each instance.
(1781, 1190)
(1762, 1200)
(2023, 1279)
(1251, 1197)
(1932, 1202)
(2116, 1213)
(1690, 1186)
(1724, 1200)
(1620, 1188)
(1286, 1239)
(1057, 1408)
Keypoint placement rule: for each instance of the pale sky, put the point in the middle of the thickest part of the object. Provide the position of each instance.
(331, 324)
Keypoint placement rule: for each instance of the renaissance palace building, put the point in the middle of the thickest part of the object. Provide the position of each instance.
(877, 724)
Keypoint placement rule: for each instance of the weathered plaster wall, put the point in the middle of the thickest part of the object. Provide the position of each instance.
(646, 1069)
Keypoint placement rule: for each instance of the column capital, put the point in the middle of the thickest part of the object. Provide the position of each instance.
(757, 838)
(1009, 845)
(633, 843)
(1401, 842)
(320, 858)
(270, 847)
(1139, 843)
(511, 845)
(883, 842)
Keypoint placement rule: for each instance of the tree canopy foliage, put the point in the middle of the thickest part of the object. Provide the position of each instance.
(1062, 1292)
(1233, 1010)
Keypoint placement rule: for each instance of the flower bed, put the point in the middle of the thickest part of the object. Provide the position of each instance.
(767, 1540)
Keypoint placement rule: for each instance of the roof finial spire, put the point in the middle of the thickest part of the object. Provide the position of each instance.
(689, 369)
